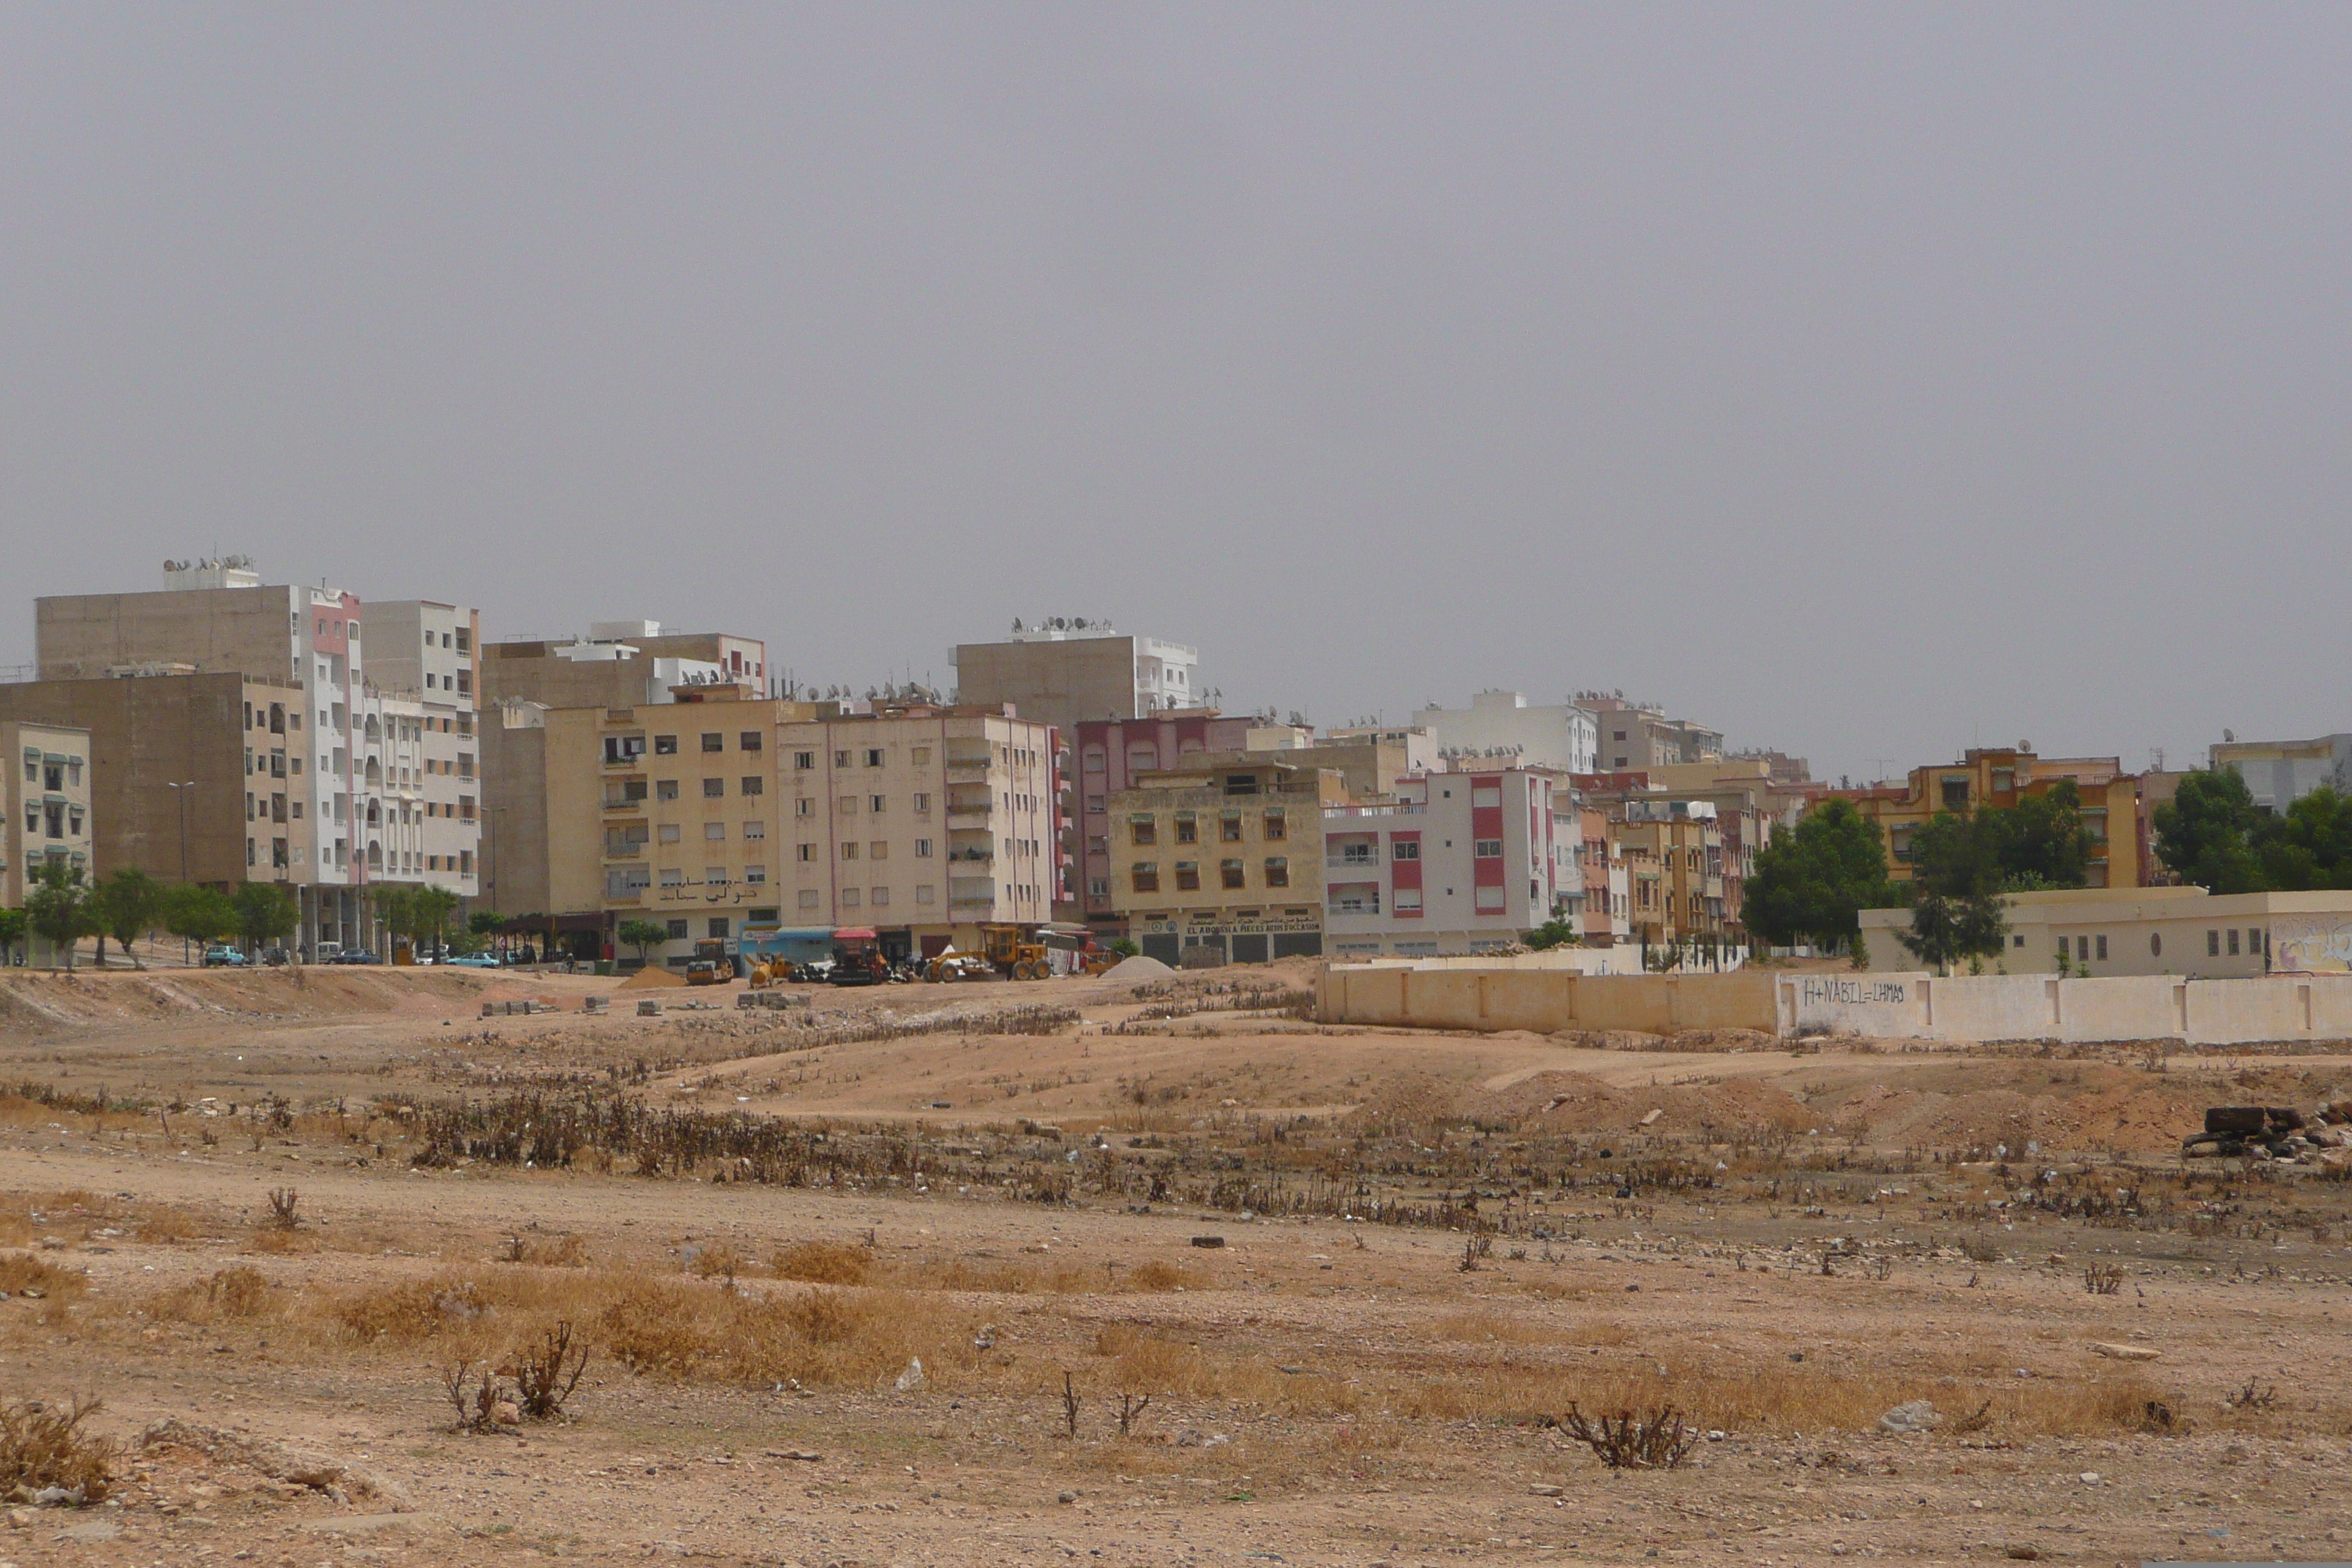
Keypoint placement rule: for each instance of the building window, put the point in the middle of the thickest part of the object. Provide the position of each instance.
(849, 851)
(1231, 872)
(714, 789)
(714, 743)
(748, 740)
(665, 789)
(1408, 900)
(807, 853)
(873, 756)
(1490, 900)
(849, 805)
(1487, 849)
(881, 897)
(717, 926)
(879, 849)
(1241, 783)
(849, 898)
(922, 804)
(755, 873)
(755, 830)
(2082, 949)
(926, 892)
(664, 745)
(807, 899)
(1188, 830)
(2212, 944)
(678, 930)
(1143, 829)
(714, 833)
(754, 784)
(804, 807)
(1229, 828)
(920, 755)
(2233, 941)
(1404, 849)
(2156, 945)
(670, 832)
(1277, 870)
(1188, 876)
(841, 757)
(874, 802)
(673, 876)
(922, 849)
(1144, 878)
(803, 761)
(2253, 937)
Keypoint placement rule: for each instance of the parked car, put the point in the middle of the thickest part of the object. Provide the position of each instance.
(222, 956)
(474, 961)
(355, 956)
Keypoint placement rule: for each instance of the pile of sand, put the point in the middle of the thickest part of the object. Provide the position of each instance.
(1138, 970)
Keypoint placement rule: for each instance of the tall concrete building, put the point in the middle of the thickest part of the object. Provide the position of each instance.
(44, 803)
(1505, 729)
(621, 663)
(335, 742)
(2280, 772)
(1220, 856)
(1059, 672)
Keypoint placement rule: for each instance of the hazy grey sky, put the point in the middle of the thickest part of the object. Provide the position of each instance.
(1865, 380)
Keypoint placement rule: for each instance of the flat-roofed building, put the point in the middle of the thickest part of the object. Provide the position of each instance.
(1454, 863)
(1220, 859)
(2177, 930)
(1061, 672)
(46, 781)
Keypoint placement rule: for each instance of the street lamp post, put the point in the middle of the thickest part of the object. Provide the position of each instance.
(179, 796)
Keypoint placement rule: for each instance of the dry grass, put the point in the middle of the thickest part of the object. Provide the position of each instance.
(44, 1445)
(826, 1263)
(23, 1274)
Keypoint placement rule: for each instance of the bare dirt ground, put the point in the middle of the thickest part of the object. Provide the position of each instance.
(1434, 1248)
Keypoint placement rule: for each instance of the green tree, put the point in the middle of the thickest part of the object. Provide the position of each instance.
(2309, 845)
(1945, 929)
(59, 905)
(266, 911)
(1957, 857)
(643, 935)
(2207, 833)
(2043, 841)
(1553, 932)
(395, 906)
(13, 925)
(486, 926)
(434, 906)
(125, 904)
(1809, 884)
(198, 914)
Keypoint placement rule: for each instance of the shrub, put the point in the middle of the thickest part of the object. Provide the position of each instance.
(826, 1263)
(41, 1446)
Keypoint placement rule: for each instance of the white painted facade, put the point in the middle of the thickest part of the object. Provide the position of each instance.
(1504, 727)
(1460, 863)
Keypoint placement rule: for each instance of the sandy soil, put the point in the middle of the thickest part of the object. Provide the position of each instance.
(1323, 1391)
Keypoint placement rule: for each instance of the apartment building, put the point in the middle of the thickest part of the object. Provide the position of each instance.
(1606, 918)
(621, 663)
(1455, 863)
(1638, 735)
(197, 778)
(421, 774)
(921, 823)
(1221, 857)
(218, 617)
(1063, 671)
(2113, 810)
(1505, 728)
(1111, 755)
(2280, 772)
(46, 781)
(1673, 856)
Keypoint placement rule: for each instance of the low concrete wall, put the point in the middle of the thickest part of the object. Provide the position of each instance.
(1545, 1000)
(1626, 960)
(2038, 1007)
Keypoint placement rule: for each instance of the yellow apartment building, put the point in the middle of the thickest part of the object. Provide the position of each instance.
(2002, 776)
(1224, 855)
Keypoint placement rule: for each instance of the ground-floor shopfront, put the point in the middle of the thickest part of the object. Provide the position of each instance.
(1200, 936)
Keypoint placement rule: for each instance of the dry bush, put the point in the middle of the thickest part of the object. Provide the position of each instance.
(1002, 1278)
(22, 1274)
(285, 1208)
(719, 1261)
(410, 1311)
(42, 1446)
(825, 1336)
(1156, 1276)
(2101, 1281)
(279, 1243)
(547, 1370)
(239, 1292)
(1658, 1440)
(826, 1263)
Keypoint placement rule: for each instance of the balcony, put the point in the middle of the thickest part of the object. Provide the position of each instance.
(981, 862)
(967, 773)
(624, 851)
(971, 890)
(968, 817)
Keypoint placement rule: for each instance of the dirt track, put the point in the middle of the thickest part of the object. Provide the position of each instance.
(1375, 1400)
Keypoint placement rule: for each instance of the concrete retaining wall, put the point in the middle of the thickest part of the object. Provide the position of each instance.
(2038, 1007)
(1913, 1007)
(1546, 1000)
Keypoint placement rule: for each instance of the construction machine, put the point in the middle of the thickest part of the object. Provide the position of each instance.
(1013, 952)
(711, 964)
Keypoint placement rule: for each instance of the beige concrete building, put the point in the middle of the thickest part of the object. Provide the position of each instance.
(621, 663)
(2152, 930)
(1059, 672)
(1637, 735)
(1221, 856)
(44, 803)
(728, 815)
(197, 778)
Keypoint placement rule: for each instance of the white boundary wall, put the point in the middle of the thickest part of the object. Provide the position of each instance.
(2040, 1008)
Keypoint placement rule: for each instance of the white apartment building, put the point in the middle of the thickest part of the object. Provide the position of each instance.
(45, 811)
(1502, 728)
(1460, 863)
(424, 813)
(919, 823)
